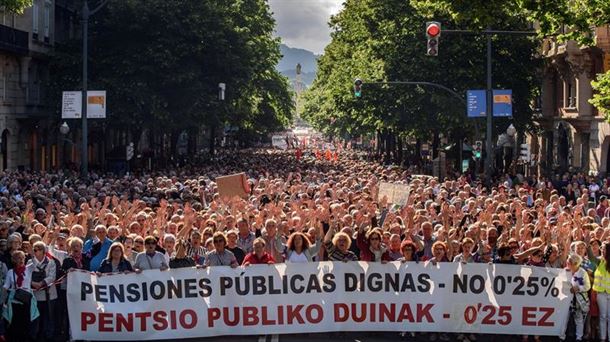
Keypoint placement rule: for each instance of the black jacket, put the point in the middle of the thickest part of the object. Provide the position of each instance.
(124, 266)
(69, 263)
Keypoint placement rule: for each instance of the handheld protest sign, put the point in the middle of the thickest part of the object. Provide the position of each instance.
(233, 185)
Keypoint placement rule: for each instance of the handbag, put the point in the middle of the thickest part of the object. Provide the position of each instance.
(21, 295)
(40, 273)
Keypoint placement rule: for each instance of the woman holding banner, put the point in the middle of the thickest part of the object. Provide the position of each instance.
(220, 256)
(258, 255)
(115, 260)
(409, 251)
(337, 246)
(299, 249)
(371, 248)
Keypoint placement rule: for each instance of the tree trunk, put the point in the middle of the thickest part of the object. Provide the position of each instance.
(212, 138)
(399, 159)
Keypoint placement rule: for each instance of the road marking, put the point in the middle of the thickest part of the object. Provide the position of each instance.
(275, 338)
(262, 338)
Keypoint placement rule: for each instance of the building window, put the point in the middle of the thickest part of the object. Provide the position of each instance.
(570, 93)
(47, 21)
(35, 19)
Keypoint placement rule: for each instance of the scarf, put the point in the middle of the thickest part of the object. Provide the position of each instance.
(78, 259)
(20, 272)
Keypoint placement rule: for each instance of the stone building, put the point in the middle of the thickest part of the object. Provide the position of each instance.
(573, 135)
(29, 131)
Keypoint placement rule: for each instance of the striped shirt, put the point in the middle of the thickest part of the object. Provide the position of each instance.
(334, 254)
(196, 253)
(246, 243)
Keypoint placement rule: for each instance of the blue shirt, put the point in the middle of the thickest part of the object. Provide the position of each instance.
(96, 260)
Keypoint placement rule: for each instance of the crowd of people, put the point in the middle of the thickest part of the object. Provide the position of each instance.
(298, 210)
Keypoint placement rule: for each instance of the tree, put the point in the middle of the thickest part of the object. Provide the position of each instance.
(562, 19)
(161, 63)
(15, 6)
(385, 41)
(601, 99)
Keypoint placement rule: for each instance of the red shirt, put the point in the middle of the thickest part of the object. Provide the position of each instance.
(253, 259)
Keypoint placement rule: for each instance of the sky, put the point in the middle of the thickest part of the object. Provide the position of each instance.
(304, 23)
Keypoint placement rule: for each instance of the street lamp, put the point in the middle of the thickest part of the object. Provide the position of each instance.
(64, 129)
(86, 13)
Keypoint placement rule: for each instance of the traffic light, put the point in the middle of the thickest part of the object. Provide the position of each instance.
(478, 149)
(358, 87)
(525, 154)
(433, 32)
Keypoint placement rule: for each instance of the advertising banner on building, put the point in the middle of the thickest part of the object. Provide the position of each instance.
(318, 297)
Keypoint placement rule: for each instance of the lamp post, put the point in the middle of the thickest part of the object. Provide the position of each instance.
(86, 13)
(64, 129)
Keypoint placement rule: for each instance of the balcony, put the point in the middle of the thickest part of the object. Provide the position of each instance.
(13, 40)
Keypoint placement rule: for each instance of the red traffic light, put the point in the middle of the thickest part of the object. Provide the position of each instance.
(433, 29)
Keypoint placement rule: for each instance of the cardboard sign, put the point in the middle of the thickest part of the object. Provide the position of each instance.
(396, 193)
(233, 185)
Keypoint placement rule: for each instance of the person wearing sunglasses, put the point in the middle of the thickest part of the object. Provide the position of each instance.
(370, 245)
(150, 259)
(220, 256)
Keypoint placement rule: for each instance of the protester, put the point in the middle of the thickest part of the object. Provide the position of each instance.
(233, 247)
(299, 249)
(333, 206)
(258, 255)
(42, 283)
(181, 259)
(21, 306)
(150, 259)
(115, 261)
(337, 246)
(220, 256)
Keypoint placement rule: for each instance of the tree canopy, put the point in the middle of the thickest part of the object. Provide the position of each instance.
(161, 62)
(562, 19)
(15, 6)
(385, 41)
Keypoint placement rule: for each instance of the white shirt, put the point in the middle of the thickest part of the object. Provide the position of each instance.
(58, 254)
(297, 257)
(11, 278)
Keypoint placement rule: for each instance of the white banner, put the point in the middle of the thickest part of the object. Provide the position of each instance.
(319, 297)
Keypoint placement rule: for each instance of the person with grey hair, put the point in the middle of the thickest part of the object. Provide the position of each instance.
(43, 277)
(580, 286)
(98, 247)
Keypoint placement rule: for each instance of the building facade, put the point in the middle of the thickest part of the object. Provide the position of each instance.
(572, 135)
(29, 130)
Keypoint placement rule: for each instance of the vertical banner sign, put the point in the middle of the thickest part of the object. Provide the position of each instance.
(319, 297)
(476, 103)
(502, 102)
(72, 104)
